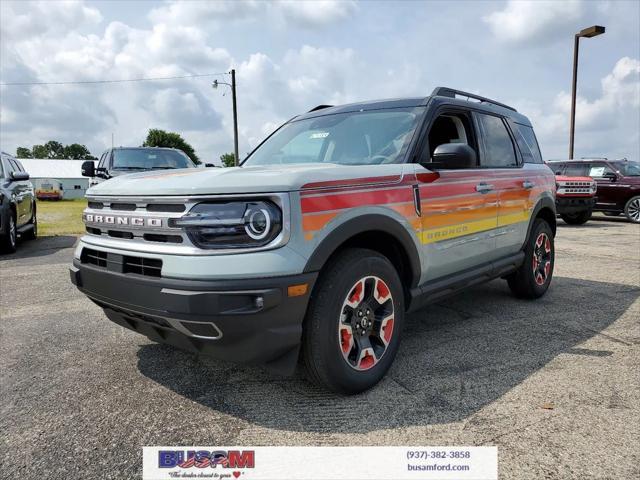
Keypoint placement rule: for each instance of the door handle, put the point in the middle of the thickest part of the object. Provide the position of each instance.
(527, 184)
(484, 188)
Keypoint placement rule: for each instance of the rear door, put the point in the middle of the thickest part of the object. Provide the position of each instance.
(505, 177)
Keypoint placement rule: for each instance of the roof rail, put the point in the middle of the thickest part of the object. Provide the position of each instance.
(452, 93)
(319, 107)
(594, 158)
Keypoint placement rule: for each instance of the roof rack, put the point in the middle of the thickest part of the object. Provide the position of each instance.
(319, 107)
(452, 93)
(594, 158)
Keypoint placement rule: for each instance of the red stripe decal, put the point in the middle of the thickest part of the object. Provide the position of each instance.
(356, 199)
(353, 182)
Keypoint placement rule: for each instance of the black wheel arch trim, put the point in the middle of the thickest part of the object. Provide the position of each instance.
(363, 224)
(544, 202)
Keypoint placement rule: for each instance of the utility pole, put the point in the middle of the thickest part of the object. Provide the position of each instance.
(235, 117)
(585, 33)
(235, 113)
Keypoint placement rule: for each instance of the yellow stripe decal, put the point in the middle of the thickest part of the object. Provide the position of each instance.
(453, 231)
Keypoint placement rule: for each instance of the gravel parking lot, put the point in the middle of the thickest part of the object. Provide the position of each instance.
(553, 383)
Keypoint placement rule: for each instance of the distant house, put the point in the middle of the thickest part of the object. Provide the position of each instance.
(64, 173)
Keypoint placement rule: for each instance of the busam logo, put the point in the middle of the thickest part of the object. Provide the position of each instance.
(235, 459)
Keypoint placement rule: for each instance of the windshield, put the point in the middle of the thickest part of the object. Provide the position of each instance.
(628, 169)
(354, 138)
(149, 159)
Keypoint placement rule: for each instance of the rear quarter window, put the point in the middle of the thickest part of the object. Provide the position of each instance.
(527, 143)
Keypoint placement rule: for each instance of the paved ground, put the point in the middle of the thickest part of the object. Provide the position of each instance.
(553, 383)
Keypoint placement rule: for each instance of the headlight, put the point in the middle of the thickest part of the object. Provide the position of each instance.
(225, 225)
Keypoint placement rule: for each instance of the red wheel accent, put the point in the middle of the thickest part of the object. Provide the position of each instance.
(387, 330)
(346, 339)
(541, 261)
(367, 361)
(365, 327)
(356, 294)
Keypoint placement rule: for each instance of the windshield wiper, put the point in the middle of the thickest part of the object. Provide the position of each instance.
(128, 168)
(163, 168)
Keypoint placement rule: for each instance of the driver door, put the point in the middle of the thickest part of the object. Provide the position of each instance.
(459, 212)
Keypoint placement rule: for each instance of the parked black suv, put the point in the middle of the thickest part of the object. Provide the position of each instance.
(17, 204)
(123, 160)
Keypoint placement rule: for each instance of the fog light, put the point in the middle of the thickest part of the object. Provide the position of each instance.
(259, 302)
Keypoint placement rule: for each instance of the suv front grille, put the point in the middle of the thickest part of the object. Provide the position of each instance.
(149, 267)
(94, 257)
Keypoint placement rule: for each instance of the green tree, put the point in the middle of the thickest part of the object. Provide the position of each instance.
(160, 138)
(23, 152)
(228, 160)
(75, 151)
(54, 149)
(40, 151)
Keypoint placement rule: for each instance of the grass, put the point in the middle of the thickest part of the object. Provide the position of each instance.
(60, 217)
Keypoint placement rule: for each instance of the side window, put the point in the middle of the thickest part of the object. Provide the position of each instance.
(1, 167)
(527, 143)
(19, 165)
(600, 170)
(102, 160)
(576, 170)
(498, 146)
(448, 128)
(13, 166)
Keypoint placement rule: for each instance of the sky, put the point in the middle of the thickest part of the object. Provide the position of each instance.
(293, 55)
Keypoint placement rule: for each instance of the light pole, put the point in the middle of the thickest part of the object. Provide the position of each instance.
(593, 31)
(215, 84)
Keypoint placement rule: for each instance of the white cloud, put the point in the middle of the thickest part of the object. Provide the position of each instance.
(201, 12)
(533, 20)
(301, 13)
(315, 13)
(27, 19)
(609, 122)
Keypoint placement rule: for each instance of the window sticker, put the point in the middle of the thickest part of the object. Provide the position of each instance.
(596, 172)
(319, 135)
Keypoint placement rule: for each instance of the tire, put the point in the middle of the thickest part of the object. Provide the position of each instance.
(344, 349)
(8, 242)
(632, 209)
(533, 277)
(32, 234)
(578, 218)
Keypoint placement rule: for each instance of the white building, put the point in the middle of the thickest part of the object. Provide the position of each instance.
(67, 172)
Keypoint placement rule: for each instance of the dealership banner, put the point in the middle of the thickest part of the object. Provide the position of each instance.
(320, 463)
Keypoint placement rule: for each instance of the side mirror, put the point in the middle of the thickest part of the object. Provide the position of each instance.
(449, 156)
(88, 169)
(19, 176)
(610, 176)
(209, 165)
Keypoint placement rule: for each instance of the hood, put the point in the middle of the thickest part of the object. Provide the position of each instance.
(234, 180)
(564, 178)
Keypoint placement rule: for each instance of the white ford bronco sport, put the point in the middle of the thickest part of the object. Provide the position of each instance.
(339, 223)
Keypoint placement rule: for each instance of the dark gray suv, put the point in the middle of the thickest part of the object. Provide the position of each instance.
(17, 204)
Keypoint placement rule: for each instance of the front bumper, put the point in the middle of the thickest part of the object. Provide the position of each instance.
(248, 321)
(574, 204)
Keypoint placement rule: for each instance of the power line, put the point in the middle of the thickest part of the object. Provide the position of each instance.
(85, 82)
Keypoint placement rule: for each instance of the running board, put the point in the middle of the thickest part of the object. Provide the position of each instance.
(435, 290)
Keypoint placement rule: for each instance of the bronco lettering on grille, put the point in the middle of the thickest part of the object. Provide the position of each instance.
(123, 220)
